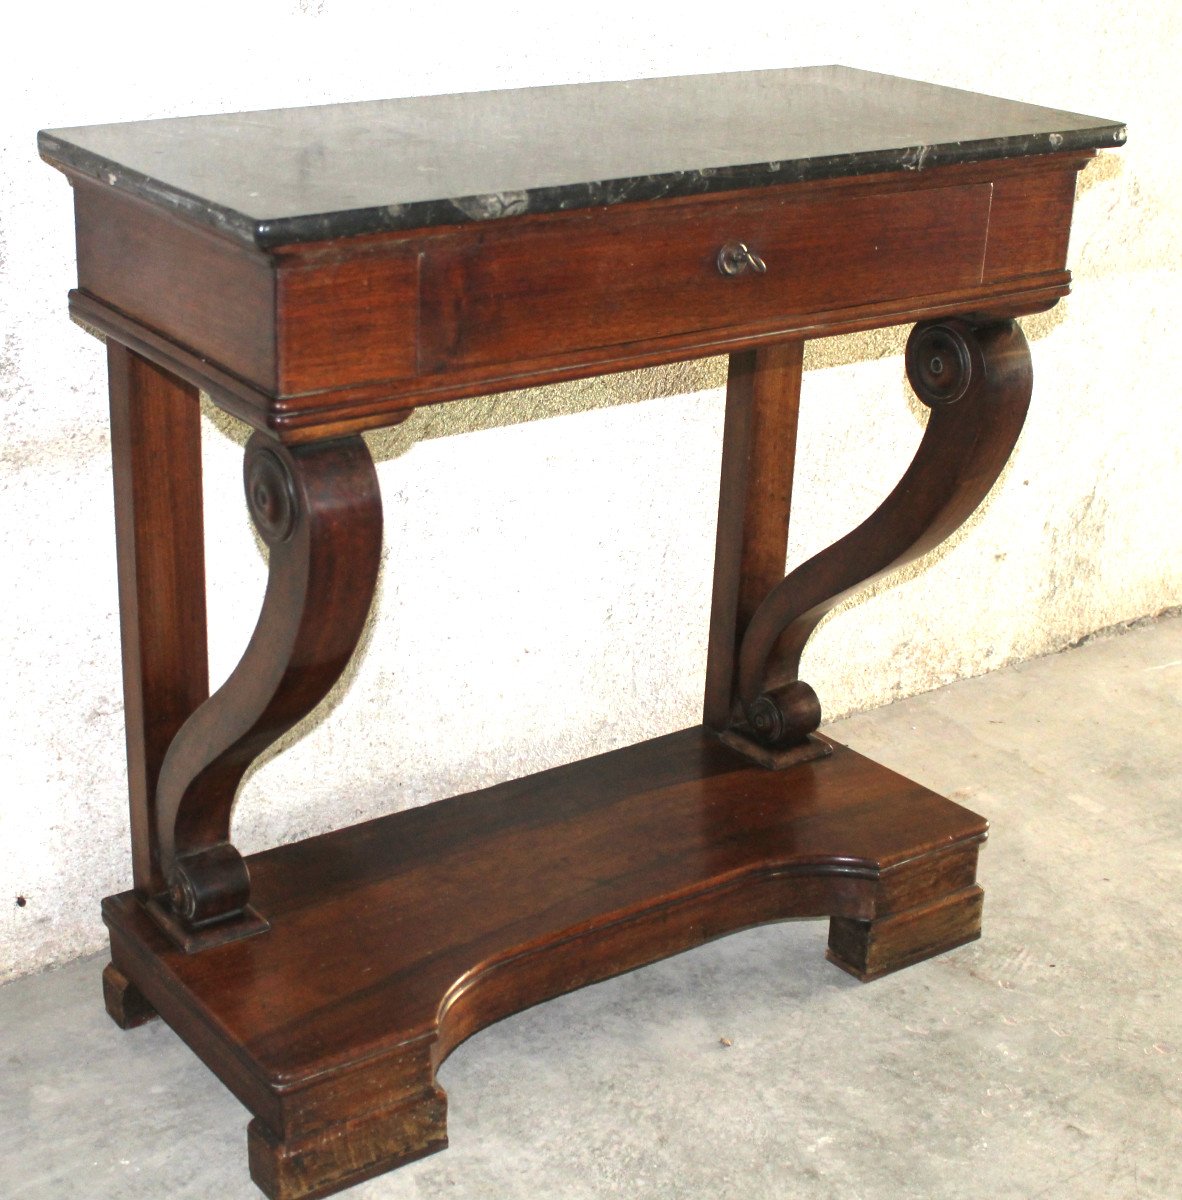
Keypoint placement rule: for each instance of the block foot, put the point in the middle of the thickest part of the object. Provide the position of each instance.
(871, 949)
(125, 1003)
(338, 1155)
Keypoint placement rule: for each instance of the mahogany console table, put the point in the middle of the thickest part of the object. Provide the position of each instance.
(323, 271)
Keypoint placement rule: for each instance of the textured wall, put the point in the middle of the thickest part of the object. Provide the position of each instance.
(546, 582)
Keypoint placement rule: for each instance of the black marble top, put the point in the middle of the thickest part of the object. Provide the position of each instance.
(306, 174)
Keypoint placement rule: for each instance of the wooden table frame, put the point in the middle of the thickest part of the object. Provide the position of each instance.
(324, 982)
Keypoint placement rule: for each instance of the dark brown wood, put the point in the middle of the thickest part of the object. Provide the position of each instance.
(348, 322)
(656, 273)
(979, 406)
(318, 415)
(1030, 222)
(124, 1002)
(156, 455)
(429, 924)
(870, 949)
(754, 504)
(776, 758)
(319, 510)
(377, 949)
(185, 283)
(339, 1154)
(409, 321)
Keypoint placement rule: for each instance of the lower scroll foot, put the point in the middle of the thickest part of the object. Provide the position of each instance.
(318, 508)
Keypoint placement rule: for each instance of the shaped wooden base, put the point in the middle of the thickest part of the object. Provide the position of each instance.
(394, 940)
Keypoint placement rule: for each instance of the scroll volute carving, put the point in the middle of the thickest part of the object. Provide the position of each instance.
(977, 381)
(318, 509)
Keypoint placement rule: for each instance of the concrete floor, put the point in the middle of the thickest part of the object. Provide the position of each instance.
(1043, 1061)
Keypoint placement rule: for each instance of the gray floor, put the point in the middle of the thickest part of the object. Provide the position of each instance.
(1042, 1061)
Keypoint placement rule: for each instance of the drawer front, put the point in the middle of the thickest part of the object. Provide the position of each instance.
(607, 278)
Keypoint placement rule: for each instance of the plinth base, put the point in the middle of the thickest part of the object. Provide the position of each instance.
(394, 940)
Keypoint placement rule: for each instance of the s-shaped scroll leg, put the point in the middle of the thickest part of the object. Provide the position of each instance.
(977, 381)
(319, 510)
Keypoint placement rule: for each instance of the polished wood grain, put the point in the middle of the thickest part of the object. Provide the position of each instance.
(317, 416)
(869, 950)
(979, 403)
(126, 1005)
(754, 505)
(1030, 222)
(347, 322)
(324, 982)
(427, 925)
(655, 272)
(160, 547)
(324, 339)
(189, 285)
(318, 508)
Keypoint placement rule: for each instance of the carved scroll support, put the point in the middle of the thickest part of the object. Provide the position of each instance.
(977, 381)
(318, 509)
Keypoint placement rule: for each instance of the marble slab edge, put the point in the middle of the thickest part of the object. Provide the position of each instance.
(266, 234)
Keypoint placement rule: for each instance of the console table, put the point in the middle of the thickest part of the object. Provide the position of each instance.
(323, 271)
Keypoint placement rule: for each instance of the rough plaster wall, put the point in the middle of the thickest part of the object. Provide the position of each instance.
(548, 554)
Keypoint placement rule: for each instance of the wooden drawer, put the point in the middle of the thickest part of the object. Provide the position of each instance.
(347, 334)
(612, 277)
